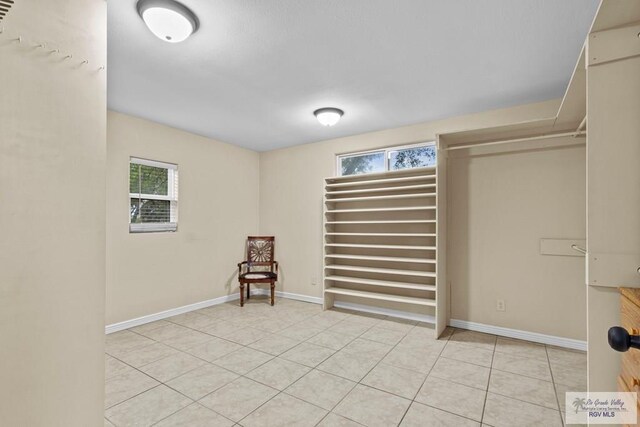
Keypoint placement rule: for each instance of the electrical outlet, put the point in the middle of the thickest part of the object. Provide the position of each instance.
(315, 281)
(500, 305)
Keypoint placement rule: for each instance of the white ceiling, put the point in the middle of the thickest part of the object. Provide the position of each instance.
(256, 70)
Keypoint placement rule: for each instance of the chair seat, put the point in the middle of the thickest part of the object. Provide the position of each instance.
(259, 275)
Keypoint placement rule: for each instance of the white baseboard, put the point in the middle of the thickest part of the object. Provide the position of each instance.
(522, 335)
(115, 327)
(120, 326)
(462, 324)
(289, 295)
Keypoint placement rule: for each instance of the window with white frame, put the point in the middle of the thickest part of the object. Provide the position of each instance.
(153, 196)
(389, 159)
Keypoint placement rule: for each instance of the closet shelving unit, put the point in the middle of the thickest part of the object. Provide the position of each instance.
(382, 237)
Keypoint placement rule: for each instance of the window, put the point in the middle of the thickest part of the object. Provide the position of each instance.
(362, 163)
(153, 196)
(413, 157)
(390, 159)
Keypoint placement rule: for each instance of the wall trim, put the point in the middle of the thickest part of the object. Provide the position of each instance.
(456, 323)
(120, 326)
(289, 295)
(522, 335)
(115, 327)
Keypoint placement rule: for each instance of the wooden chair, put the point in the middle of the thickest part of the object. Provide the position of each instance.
(259, 265)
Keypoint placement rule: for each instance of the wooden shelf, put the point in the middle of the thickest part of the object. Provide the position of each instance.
(382, 297)
(367, 246)
(402, 209)
(378, 189)
(381, 270)
(383, 234)
(375, 198)
(385, 283)
(404, 221)
(382, 258)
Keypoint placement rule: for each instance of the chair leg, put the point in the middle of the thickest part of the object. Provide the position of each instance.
(241, 294)
(273, 291)
(248, 290)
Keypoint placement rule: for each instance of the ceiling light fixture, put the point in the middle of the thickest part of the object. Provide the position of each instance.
(168, 20)
(328, 116)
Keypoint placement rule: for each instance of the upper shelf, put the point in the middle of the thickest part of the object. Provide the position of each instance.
(574, 103)
(616, 13)
(382, 258)
(375, 190)
(390, 271)
(532, 131)
(377, 246)
(382, 283)
(415, 173)
(405, 208)
(405, 179)
(383, 234)
(569, 117)
(514, 130)
(386, 197)
(392, 221)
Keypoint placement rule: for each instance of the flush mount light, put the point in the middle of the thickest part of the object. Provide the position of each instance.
(168, 20)
(328, 116)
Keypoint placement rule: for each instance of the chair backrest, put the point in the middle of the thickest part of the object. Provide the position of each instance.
(260, 251)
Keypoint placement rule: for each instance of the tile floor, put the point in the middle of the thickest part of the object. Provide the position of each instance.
(295, 365)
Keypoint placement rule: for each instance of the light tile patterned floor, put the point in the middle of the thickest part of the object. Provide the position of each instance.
(295, 365)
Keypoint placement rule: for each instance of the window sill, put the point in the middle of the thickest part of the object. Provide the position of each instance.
(153, 228)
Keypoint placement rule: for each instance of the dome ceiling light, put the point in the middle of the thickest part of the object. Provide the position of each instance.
(328, 116)
(168, 20)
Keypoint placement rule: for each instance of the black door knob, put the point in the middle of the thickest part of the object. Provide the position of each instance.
(620, 340)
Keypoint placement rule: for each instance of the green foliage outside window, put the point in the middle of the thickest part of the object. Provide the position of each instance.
(148, 179)
(404, 158)
(413, 158)
(151, 180)
(150, 211)
(365, 163)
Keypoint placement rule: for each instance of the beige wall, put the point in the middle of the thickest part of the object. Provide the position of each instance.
(218, 207)
(500, 206)
(148, 273)
(52, 204)
(291, 188)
